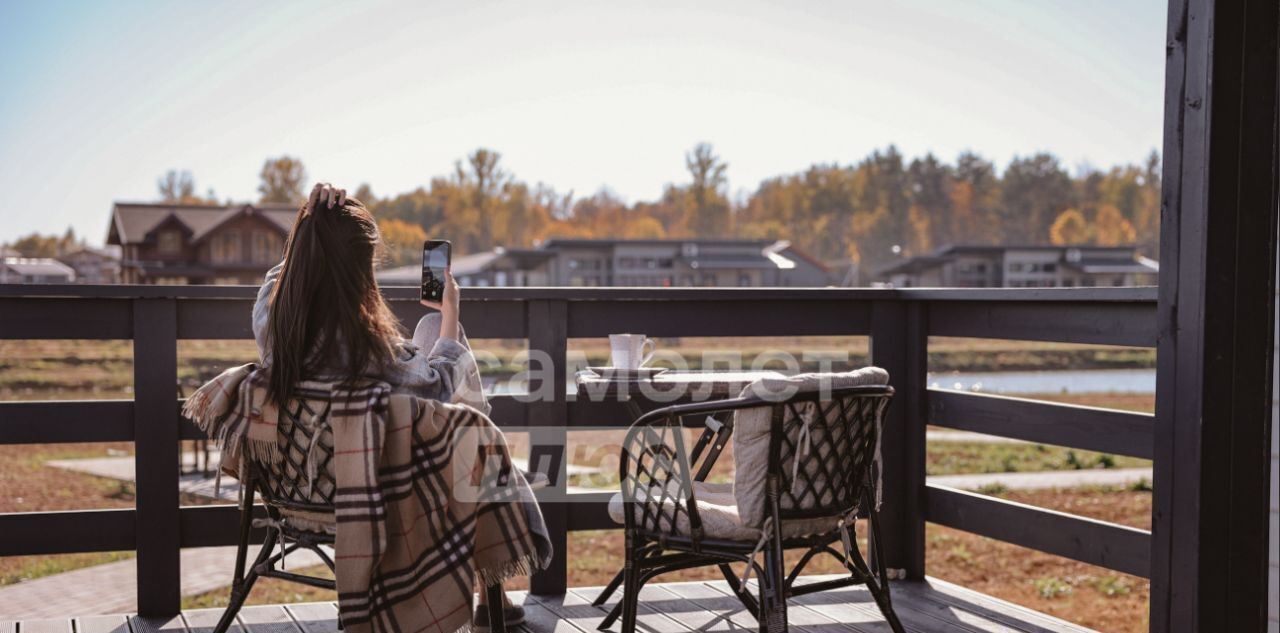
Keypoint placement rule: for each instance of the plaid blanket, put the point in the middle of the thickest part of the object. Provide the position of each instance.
(427, 499)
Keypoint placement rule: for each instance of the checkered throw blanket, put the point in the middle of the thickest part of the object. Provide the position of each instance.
(427, 499)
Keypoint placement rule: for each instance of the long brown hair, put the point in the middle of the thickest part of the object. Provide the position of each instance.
(327, 314)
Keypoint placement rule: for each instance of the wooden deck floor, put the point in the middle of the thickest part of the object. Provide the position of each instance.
(924, 607)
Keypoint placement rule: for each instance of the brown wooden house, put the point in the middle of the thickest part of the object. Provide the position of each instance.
(191, 244)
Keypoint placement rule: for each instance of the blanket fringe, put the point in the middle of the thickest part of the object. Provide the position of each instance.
(523, 566)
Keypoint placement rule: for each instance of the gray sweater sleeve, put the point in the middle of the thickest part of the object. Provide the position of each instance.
(262, 313)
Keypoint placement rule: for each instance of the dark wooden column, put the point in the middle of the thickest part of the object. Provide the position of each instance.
(899, 344)
(1217, 250)
(155, 432)
(548, 324)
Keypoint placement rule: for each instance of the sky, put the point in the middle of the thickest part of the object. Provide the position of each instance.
(99, 99)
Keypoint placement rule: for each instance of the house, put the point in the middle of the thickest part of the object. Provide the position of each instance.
(191, 244)
(650, 262)
(35, 270)
(1027, 266)
(94, 265)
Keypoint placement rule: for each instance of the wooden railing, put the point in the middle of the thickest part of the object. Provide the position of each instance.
(899, 323)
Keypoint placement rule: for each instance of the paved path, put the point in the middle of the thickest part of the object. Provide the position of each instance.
(1048, 479)
(122, 468)
(113, 587)
(968, 436)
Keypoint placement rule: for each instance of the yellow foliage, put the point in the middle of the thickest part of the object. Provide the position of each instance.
(1110, 228)
(644, 228)
(1070, 227)
(402, 240)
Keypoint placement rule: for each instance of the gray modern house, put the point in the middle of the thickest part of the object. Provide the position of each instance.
(1024, 266)
(616, 262)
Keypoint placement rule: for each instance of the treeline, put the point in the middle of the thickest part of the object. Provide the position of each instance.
(839, 213)
(869, 213)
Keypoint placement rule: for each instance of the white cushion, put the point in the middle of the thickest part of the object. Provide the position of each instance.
(720, 517)
(751, 429)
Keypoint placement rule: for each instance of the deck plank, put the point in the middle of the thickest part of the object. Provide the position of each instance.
(932, 606)
(722, 601)
(539, 617)
(648, 618)
(203, 621)
(848, 611)
(572, 609)
(934, 591)
(102, 624)
(856, 605)
(140, 624)
(267, 619)
(58, 625)
(314, 617)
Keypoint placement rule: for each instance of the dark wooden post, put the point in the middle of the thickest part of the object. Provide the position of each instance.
(155, 430)
(548, 323)
(1217, 250)
(899, 344)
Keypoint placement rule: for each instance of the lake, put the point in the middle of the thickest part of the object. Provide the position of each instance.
(1071, 381)
(1011, 382)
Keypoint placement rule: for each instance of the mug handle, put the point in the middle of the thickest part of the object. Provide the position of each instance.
(653, 347)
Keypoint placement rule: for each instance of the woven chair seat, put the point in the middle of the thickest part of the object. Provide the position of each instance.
(718, 510)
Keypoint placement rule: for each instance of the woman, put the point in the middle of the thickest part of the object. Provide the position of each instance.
(320, 316)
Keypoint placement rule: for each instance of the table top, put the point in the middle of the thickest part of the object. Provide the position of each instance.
(699, 385)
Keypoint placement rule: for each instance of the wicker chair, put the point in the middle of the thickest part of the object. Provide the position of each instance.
(811, 495)
(299, 506)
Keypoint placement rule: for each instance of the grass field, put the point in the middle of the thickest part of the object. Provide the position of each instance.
(35, 370)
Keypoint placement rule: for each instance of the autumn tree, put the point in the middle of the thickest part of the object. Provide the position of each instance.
(708, 209)
(364, 193)
(1070, 227)
(37, 245)
(1034, 190)
(402, 241)
(282, 180)
(1110, 228)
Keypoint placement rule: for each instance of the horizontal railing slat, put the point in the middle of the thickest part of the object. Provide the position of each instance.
(1091, 428)
(213, 526)
(64, 318)
(1101, 323)
(67, 532)
(58, 421)
(721, 317)
(1109, 545)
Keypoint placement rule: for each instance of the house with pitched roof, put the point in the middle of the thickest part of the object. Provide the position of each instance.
(193, 244)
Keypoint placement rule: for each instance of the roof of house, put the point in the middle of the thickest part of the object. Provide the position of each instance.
(1104, 265)
(131, 223)
(105, 252)
(553, 242)
(38, 266)
(1092, 259)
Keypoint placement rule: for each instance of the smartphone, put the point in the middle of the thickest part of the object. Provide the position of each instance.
(435, 259)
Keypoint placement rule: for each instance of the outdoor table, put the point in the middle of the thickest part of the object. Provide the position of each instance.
(669, 387)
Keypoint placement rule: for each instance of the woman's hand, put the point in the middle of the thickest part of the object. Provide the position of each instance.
(324, 195)
(448, 307)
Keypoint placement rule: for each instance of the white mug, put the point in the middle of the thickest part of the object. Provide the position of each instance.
(628, 350)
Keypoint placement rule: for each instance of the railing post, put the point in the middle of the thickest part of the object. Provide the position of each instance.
(155, 429)
(547, 326)
(899, 344)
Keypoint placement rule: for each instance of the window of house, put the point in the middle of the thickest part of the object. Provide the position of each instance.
(1015, 267)
(226, 248)
(169, 242)
(266, 247)
(744, 280)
